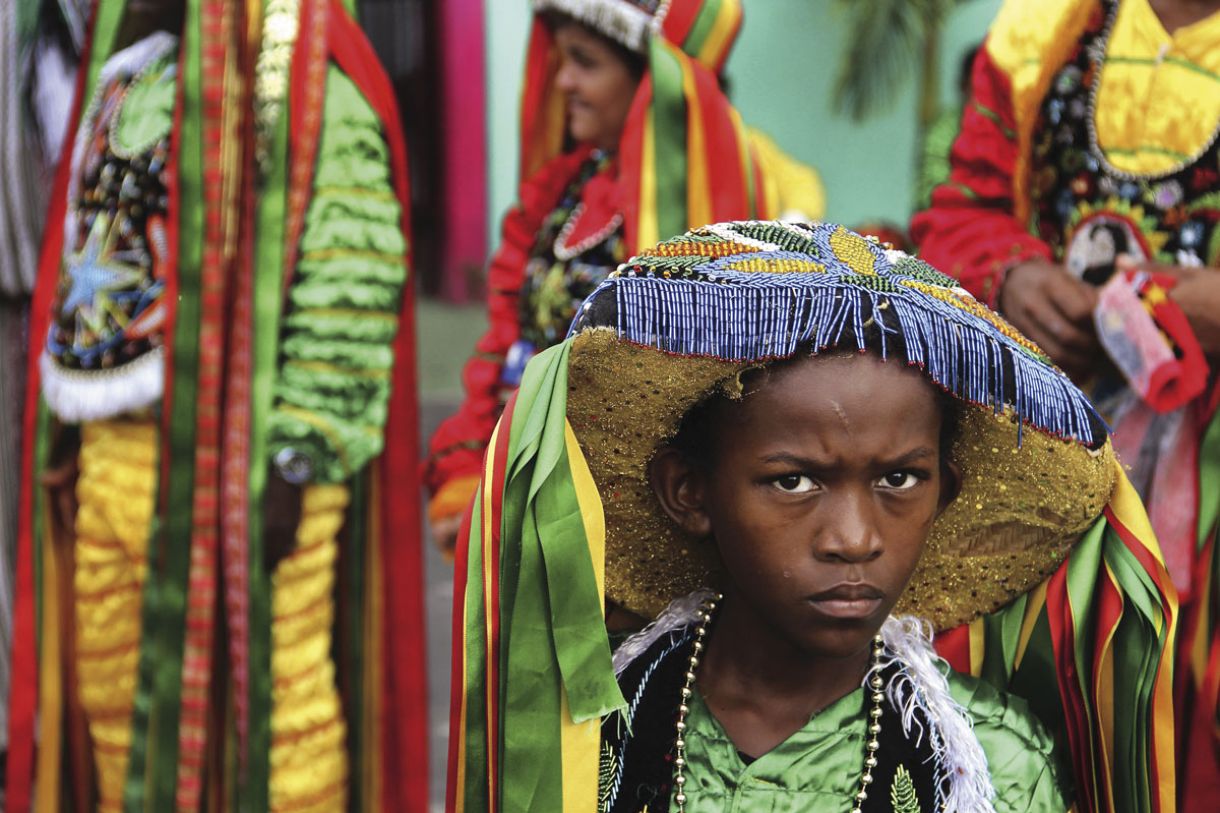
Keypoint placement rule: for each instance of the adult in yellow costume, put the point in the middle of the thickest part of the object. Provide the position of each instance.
(222, 343)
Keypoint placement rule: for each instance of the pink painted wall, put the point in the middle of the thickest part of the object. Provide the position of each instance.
(464, 123)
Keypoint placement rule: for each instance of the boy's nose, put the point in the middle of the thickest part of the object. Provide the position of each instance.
(850, 532)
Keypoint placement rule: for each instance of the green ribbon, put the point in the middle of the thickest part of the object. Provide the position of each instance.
(153, 768)
(253, 787)
(1136, 648)
(475, 677)
(1209, 480)
(554, 640)
(702, 27)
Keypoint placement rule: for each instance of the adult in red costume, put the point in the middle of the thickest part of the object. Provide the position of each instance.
(1089, 146)
(626, 139)
(219, 600)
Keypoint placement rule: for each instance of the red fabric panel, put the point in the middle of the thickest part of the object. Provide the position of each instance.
(459, 443)
(970, 231)
(405, 729)
(954, 646)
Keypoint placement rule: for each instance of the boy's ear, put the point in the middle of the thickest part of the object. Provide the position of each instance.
(950, 485)
(680, 488)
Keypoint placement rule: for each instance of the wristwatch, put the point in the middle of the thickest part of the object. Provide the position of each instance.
(294, 466)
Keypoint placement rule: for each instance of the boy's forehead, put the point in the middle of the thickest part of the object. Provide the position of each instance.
(863, 373)
(840, 392)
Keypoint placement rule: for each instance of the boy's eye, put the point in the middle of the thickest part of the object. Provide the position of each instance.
(899, 480)
(794, 483)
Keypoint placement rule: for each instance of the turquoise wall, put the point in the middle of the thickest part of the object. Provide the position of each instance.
(782, 72)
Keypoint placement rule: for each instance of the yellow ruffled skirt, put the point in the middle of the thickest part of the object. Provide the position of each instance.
(116, 491)
(118, 469)
(308, 757)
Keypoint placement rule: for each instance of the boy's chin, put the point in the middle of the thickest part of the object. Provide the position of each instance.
(845, 643)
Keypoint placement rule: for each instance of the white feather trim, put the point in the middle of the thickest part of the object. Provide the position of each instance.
(75, 395)
(620, 20)
(680, 612)
(921, 685)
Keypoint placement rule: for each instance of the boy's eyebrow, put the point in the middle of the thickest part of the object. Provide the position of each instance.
(916, 454)
(913, 456)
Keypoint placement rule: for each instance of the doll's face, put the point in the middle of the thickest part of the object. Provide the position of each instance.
(598, 84)
(819, 489)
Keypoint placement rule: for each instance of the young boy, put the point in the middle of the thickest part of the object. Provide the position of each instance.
(772, 439)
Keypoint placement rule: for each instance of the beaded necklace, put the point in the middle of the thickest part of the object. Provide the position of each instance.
(559, 276)
(872, 746)
(575, 208)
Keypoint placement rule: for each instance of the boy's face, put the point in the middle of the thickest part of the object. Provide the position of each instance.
(820, 491)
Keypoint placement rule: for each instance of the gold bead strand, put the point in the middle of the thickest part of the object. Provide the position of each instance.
(706, 609)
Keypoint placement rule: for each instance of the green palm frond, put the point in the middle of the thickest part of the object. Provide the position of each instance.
(885, 46)
(903, 798)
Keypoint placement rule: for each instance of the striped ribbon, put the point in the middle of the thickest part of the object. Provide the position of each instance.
(534, 682)
(1101, 629)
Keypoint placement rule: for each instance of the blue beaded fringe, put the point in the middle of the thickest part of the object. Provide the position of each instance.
(768, 317)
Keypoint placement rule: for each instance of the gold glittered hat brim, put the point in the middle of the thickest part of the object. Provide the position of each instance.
(1023, 505)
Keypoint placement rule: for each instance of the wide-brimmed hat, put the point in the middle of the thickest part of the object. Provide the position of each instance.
(683, 320)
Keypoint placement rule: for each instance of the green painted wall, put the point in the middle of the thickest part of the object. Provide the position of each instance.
(782, 71)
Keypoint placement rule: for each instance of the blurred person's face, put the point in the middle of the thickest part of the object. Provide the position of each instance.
(598, 84)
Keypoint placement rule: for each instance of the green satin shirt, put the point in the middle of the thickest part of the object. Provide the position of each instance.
(818, 768)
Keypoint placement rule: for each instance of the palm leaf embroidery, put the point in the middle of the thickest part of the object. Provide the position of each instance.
(903, 798)
(605, 780)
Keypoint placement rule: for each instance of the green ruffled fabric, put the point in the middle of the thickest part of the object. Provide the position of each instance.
(337, 353)
(147, 114)
(819, 767)
(934, 162)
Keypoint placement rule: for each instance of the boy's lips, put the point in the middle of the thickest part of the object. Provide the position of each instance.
(848, 600)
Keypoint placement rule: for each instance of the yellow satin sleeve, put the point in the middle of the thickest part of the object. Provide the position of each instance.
(1029, 41)
(309, 768)
(115, 492)
(1158, 104)
(793, 189)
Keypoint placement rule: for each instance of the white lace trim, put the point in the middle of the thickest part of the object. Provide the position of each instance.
(81, 395)
(620, 20)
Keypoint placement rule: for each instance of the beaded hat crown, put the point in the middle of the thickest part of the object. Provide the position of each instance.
(686, 318)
